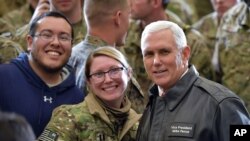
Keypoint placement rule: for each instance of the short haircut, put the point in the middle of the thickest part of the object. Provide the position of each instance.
(14, 127)
(33, 24)
(105, 51)
(178, 33)
(96, 11)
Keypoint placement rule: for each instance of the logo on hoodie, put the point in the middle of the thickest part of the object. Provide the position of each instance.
(45, 99)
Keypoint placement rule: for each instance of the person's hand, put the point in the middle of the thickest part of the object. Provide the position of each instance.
(43, 6)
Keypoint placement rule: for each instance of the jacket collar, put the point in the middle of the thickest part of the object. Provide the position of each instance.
(175, 94)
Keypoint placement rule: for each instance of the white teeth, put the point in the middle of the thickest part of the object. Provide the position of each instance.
(109, 88)
(53, 53)
(159, 71)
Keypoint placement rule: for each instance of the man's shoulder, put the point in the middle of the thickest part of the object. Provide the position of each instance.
(80, 53)
(206, 22)
(214, 90)
(8, 71)
(81, 47)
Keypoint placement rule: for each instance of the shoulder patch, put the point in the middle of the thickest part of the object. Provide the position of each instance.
(48, 135)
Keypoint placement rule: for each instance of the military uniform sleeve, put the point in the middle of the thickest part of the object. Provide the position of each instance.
(200, 54)
(61, 126)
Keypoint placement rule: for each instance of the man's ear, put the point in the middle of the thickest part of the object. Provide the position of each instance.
(29, 40)
(117, 18)
(156, 3)
(186, 53)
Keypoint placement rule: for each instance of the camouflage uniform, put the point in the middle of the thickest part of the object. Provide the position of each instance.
(90, 121)
(201, 7)
(79, 28)
(234, 50)
(77, 60)
(8, 50)
(183, 9)
(8, 5)
(16, 19)
(208, 26)
(200, 53)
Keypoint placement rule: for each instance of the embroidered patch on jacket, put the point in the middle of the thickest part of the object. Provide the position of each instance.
(181, 129)
(48, 135)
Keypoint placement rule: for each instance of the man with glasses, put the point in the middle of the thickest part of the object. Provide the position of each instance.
(72, 9)
(34, 84)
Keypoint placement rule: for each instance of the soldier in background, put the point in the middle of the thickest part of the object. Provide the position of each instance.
(143, 13)
(9, 5)
(17, 18)
(209, 24)
(201, 7)
(184, 9)
(233, 49)
(8, 50)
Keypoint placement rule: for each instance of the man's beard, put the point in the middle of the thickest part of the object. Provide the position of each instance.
(47, 68)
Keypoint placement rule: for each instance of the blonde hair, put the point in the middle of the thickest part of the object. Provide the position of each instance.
(105, 51)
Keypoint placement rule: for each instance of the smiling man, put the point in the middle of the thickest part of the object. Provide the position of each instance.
(33, 84)
(183, 105)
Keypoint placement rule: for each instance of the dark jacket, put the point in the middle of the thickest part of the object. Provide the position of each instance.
(23, 92)
(195, 109)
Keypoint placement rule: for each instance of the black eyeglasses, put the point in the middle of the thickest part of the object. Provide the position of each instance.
(113, 73)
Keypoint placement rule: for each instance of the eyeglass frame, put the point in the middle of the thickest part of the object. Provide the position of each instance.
(51, 37)
(103, 74)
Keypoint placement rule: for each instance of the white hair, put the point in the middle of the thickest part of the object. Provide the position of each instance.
(178, 33)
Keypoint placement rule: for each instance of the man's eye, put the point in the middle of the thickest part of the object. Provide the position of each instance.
(47, 35)
(64, 38)
(148, 54)
(165, 52)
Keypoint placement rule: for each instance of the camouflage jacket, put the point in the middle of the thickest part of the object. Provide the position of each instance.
(16, 19)
(8, 6)
(234, 50)
(89, 121)
(8, 50)
(200, 57)
(77, 60)
(208, 26)
(200, 7)
(183, 9)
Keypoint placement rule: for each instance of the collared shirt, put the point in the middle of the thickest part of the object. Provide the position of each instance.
(162, 92)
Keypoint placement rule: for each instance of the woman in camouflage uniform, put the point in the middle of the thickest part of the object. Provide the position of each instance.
(106, 113)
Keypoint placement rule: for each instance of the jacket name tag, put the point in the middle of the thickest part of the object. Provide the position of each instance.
(181, 129)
